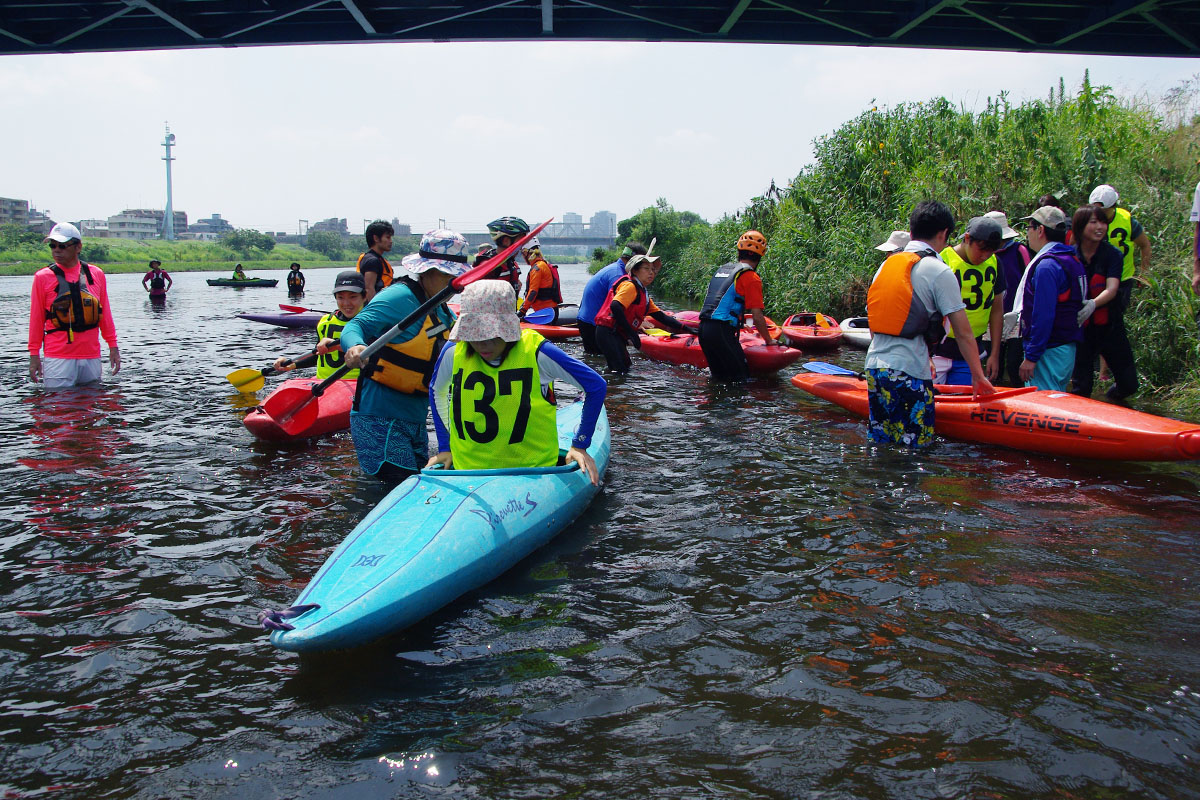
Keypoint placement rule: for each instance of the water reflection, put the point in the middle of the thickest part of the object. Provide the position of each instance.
(760, 603)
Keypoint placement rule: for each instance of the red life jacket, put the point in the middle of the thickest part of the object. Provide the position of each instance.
(635, 313)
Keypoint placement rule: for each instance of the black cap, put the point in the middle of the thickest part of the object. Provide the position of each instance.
(349, 281)
(986, 231)
(154, 261)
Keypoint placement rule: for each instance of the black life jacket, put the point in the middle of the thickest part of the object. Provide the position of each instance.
(75, 309)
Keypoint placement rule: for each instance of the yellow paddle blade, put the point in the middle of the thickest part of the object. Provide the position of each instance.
(246, 380)
(656, 332)
(821, 320)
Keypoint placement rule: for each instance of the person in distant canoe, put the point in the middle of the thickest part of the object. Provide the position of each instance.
(619, 319)
(492, 392)
(350, 292)
(596, 290)
(543, 287)
(239, 274)
(734, 290)
(68, 313)
(907, 299)
(392, 401)
(295, 280)
(156, 281)
(375, 269)
(982, 283)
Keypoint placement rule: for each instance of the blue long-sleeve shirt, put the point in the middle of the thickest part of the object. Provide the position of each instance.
(553, 364)
(597, 289)
(386, 309)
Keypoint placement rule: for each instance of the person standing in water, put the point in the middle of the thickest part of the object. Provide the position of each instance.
(156, 281)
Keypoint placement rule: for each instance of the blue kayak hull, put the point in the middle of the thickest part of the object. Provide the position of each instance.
(435, 537)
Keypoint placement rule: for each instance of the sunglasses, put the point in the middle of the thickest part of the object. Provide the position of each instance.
(60, 245)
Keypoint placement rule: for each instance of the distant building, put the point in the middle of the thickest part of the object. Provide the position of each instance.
(94, 228)
(604, 223)
(159, 215)
(572, 224)
(14, 212)
(207, 229)
(401, 228)
(39, 221)
(132, 224)
(333, 225)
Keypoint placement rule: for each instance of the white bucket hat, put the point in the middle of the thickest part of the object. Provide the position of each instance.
(442, 250)
(1006, 230)
(487, 310)
(897, 241)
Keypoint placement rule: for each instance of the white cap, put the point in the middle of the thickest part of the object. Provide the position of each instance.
(63, 232)
(1007, 230)
(897, 241)
(1105, 195)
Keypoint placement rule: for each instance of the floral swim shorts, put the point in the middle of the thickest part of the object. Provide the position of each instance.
(901, 408)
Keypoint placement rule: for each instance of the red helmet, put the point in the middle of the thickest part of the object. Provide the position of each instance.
(753, 241)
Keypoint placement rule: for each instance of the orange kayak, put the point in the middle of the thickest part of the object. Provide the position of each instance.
(333, 411)
(1056, 423)
(684, 348)
(812, 331)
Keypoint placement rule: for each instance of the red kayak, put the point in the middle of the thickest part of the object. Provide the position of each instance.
(811, 331)
(684, 348)
(1056, 423)
(332, 410)
(692, 320)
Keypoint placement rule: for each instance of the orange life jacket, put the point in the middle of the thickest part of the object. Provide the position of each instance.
(893, 309)
(75, 309)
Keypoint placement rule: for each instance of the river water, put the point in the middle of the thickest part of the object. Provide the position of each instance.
(759, 604)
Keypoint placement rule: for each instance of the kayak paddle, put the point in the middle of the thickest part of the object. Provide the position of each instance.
(825, 368)
(301, 309)
(543, 316)
(293, 408)
(251, 380)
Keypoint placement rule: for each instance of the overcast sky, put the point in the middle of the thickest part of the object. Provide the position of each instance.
(467, 132)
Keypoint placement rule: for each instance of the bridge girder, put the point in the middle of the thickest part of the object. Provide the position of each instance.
(1116, 27)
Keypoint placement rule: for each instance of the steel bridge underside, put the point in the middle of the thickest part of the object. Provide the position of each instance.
(1122, 27)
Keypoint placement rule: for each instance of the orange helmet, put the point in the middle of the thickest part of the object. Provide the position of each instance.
(753, 241)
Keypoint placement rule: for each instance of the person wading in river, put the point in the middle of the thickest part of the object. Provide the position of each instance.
(735, 290)
(909, 296)
(68, 312)
(375, 269)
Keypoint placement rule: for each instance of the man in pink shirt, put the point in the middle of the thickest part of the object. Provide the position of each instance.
(68, 314)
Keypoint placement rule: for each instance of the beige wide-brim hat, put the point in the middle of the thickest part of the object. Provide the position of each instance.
(487, 310)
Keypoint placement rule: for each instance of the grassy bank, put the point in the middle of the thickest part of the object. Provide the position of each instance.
(25, 255)
(868, 174)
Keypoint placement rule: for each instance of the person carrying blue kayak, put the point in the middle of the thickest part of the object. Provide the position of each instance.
(596, 290)
(492, 393)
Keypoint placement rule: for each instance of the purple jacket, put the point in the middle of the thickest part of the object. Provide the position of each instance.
(1053, 296)
(1013, 260)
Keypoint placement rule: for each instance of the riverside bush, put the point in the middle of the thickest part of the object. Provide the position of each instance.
(868, 174)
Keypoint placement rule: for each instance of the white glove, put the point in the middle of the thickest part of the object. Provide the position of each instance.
(1089, 306)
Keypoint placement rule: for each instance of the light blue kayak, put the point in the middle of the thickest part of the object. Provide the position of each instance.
(437, 536)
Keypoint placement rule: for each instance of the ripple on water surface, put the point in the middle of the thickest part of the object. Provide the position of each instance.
(760, 604)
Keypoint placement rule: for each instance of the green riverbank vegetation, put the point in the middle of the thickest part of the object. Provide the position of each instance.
(23, 253)
(868, 174)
